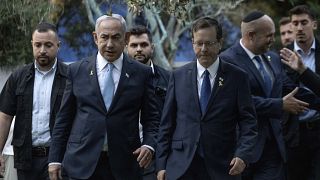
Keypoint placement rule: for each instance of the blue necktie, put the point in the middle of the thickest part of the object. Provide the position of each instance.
(266, 77)
(109, 86)
(205, 91)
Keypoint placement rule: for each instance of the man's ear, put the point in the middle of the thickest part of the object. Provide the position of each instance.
(221, 43)
(152, 47)
(95, 37)
(251, 35)
(126, 37)
(315, 25)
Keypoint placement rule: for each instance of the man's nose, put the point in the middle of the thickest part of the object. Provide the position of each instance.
(139, 48)
(300, 26)
(43, 50)
(109, 43)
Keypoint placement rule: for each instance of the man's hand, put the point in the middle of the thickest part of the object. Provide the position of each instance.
(144, 156)
(237, 166)
(2, 165)
(293, 60)
(161, 175)
(54, 171)
(293, 105)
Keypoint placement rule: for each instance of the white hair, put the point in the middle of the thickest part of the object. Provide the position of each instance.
(113, 16)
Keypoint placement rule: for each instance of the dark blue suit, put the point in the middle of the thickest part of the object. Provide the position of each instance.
(268, 108)
(183, 125)
(303, 138)
(81, 124)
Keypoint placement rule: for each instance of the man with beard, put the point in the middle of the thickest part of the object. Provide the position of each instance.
(33, 94)
(268, 83)
(286, 33)
(141, 48)
(302, 133)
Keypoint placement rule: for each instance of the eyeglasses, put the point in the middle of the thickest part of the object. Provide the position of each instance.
(200, 44)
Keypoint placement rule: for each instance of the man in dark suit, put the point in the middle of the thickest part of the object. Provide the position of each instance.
(207, 102)
(96, 135)
(302, 132)
(309, 78)
(140, 47)
(267, 83)
(33, 94)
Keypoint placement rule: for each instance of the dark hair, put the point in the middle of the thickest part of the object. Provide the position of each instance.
(284, 21)
(137, 31)
(207, 22)
(302, 9)
(45, 27)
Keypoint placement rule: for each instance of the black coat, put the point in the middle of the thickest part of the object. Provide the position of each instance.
(16, 99)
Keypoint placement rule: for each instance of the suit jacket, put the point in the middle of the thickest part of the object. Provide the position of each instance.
(183, 125)
(268, 108)
(19, 103)
(160, 83)
(309, 79)
(83, 120)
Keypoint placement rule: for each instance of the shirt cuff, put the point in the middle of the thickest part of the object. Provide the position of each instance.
(54, 163)
(149, 147)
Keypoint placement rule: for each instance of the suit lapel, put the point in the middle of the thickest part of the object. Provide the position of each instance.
(192, 73)
(93, 78)
(218, 83)
(247, 62)
(156, 76)
(126, 73)
(55, 87)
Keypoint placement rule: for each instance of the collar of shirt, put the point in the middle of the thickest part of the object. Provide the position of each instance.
(53, 68)
(300, 51)
(212, 69)
(152, 66)
(102, 62)
(250, 54)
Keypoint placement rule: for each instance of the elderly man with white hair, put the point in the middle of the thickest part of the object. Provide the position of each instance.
(96, 135)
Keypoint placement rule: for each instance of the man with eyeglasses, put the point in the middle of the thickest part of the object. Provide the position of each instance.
(207, 101)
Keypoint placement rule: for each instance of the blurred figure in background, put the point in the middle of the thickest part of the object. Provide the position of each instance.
(141, 48)
(286, 31)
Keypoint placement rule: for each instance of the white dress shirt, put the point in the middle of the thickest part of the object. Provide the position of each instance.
(252, 55)
(43, 82)
(213, 69)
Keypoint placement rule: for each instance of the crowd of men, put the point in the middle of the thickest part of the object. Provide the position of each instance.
(246, 113)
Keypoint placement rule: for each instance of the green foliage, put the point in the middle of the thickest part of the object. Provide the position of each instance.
(76, 24)
(18, 17)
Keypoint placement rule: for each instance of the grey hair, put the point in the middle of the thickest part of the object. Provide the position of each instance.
(113, 16)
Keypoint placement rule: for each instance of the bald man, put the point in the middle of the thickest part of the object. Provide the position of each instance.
(267, 82)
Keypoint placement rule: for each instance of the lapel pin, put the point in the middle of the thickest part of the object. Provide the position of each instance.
(269, 58)
(127, 75)
(91, 73)
(220, 83)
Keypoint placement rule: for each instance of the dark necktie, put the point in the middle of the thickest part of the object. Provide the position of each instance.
(109, 86)
(266, 77)
(205, 91)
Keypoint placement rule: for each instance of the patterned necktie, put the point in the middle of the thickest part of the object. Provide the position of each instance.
(109, 86)
(205, 91)
(266, 78)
